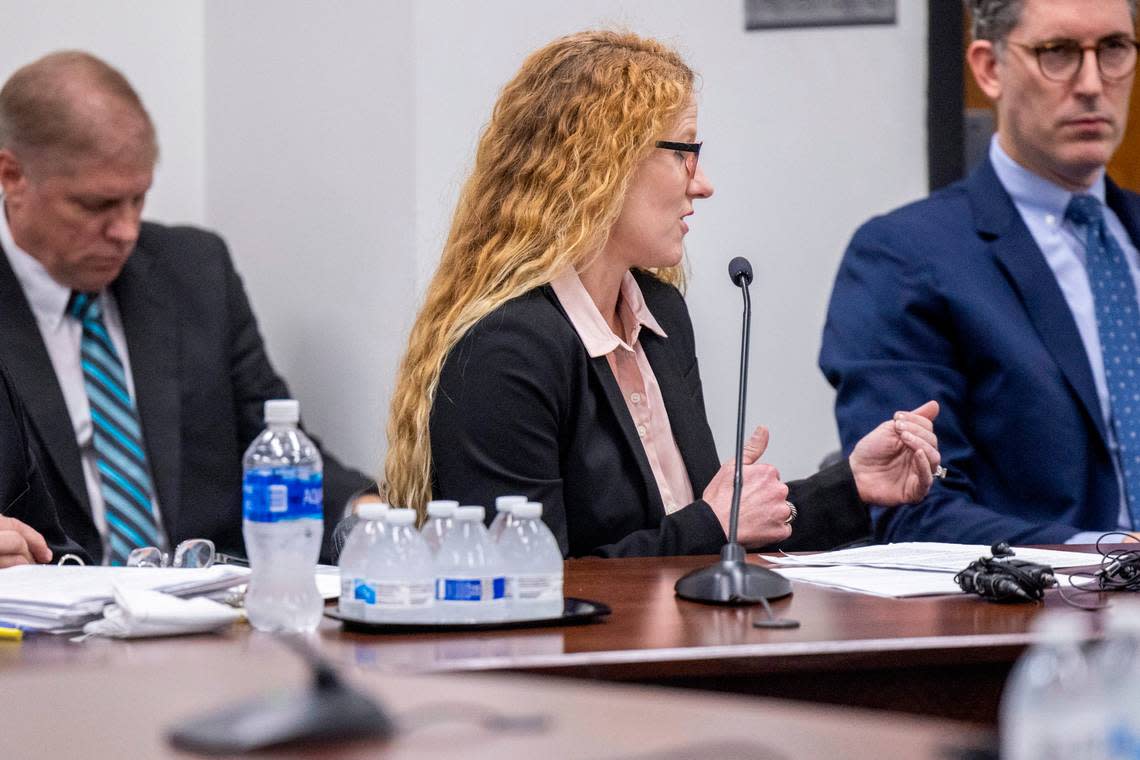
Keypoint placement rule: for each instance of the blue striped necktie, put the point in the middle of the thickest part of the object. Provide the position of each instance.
(1118, 324)
(124, 476)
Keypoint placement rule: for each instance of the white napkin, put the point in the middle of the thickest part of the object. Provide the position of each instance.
(140, 613)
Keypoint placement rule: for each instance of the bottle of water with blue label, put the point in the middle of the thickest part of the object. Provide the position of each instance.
(283, 525)
(353, 562)
(393, 579)
(503, 507)
(470, 586)
(533, 565)
(441, 518)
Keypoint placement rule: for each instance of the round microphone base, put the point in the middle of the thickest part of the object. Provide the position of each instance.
(732, 581)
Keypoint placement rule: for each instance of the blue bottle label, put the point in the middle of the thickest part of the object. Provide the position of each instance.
(470, 589)
(281, 493)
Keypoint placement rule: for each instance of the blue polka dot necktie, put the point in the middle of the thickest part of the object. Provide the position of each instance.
(120, 457)
(1118, 324)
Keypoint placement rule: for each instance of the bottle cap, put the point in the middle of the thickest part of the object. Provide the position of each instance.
(529, 511)
(442, 508)
(282, 411)
(371, 510)
(400, 516)
(470, 514)
(504, 503)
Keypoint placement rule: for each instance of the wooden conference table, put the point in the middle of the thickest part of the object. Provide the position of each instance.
(936, 656)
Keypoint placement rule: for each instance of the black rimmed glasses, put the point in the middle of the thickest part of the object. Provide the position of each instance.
(1061, 60)
(687, 152)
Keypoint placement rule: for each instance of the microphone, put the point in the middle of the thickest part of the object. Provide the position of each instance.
(739, 269)
(732, 580)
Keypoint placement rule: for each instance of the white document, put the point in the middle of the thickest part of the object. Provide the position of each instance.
(879, 581)
(54, 597)
(929, 556)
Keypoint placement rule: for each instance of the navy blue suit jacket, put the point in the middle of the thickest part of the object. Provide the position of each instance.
(950, 298)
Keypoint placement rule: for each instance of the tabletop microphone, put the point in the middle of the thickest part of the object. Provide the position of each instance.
(733, 580)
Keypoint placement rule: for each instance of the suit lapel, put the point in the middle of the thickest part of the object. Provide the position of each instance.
(686, 417)
(151, 327)
(1017, 253)
(26, 357)
(616, 402)
(613, 395)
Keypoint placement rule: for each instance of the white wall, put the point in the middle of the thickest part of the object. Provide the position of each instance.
(160, 48)
(309, 175)
(327, 143)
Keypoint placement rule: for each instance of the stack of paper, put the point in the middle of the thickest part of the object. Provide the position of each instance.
(62, 598)
(908, 569)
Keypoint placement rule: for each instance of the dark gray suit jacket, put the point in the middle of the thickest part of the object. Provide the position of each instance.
(23, 493)
(522, 408)
(201, 376)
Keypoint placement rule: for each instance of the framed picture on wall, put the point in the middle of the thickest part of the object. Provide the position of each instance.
(784, 14)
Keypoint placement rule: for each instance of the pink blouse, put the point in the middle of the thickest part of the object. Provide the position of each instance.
(634, 376)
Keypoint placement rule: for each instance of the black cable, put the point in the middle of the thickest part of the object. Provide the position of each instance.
(1003, 579)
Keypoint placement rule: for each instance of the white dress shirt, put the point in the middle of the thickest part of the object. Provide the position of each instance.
(62, 335)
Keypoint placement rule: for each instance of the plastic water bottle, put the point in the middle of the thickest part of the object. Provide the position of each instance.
(1117, 668)
(469, 586)
(440, 520)
(361, 542)
(503, 506)
(281, 504)
(533, 564)
(394, 580)
(1049, 709)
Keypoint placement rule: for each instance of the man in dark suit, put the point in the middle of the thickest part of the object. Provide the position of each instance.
(1010, 297)
(133, 344)
(29, 530)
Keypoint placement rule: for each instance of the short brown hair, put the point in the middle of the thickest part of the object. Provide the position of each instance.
(59, 108)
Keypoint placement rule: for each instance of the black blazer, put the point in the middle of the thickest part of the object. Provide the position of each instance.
(201, 376)
(23, 493)
(522, 408)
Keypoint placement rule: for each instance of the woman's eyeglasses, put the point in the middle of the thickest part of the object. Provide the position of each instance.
(687, 152)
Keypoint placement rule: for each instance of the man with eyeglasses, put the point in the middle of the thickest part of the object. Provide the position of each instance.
(1011, 296)
(132, 344)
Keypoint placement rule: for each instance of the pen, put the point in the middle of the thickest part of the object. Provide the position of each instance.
(11, 634)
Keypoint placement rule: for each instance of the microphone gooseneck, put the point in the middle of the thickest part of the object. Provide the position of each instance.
(734, 580)
(741, 273)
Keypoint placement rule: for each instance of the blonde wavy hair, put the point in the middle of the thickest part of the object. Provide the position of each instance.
(551, 172)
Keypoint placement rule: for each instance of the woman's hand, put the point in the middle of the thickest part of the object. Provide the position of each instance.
(764, 509)
(895, 463)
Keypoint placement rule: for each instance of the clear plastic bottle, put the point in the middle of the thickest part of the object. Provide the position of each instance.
(532, 562)
(441, 513)
(1117, 669)
(397, 582)
(354, 558)
(503, 506)
(1049, 708)
(283, 525)
(469, 582)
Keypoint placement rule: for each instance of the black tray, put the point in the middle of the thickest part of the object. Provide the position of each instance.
(574, 612)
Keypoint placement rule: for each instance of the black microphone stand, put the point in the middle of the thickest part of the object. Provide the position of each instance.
(733, 580)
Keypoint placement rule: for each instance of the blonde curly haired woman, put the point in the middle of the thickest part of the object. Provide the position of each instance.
(554, 355)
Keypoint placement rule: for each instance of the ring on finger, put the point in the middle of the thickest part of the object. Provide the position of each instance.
(792, 513)
(941, 472)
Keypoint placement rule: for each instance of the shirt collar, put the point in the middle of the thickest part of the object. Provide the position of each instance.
(47, 297)
(1032, 191)
(591, 326)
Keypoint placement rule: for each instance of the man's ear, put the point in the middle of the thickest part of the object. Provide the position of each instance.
(982, 57)
(13, 178)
